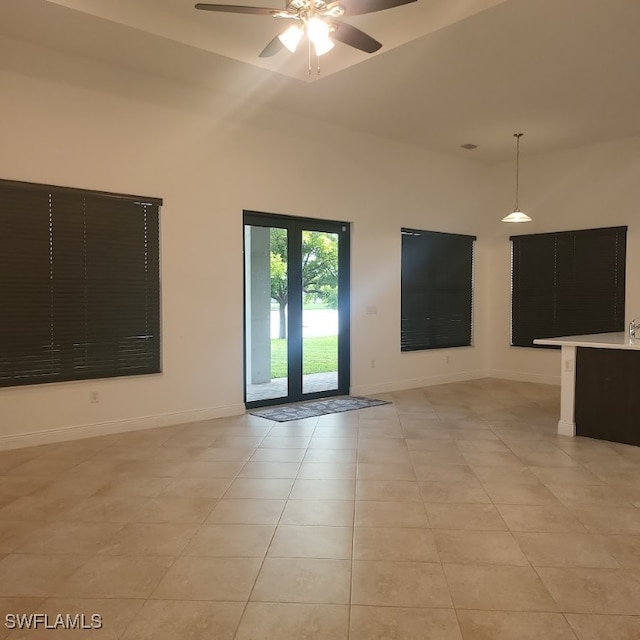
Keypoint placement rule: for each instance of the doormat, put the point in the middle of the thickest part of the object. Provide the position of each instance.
(314, 408)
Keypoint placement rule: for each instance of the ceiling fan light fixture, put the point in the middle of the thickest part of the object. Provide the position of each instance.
(318, 33)
(323, 46)
(317, 29)
(291, 37)
(517, 215)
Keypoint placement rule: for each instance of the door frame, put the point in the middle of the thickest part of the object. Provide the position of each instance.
(295, 225)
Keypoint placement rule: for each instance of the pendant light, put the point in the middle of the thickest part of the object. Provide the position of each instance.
(517, 215)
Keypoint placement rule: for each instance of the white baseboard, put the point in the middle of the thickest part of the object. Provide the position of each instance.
(77, 432)
(566, 428)
(416, 383)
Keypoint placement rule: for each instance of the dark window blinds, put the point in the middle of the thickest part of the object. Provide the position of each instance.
(79, 284)
(567, 283)
(436, 290)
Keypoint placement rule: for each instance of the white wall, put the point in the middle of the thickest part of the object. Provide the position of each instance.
(589, 187)
(79, 123)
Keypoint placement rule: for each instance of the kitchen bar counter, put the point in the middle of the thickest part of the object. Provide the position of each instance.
(620, 340)
(600, 378)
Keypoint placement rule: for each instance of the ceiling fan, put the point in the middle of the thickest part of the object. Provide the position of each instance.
(317, 20)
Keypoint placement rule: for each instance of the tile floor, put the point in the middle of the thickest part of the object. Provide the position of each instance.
(454, 513)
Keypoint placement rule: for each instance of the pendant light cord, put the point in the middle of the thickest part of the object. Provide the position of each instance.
(517, 136)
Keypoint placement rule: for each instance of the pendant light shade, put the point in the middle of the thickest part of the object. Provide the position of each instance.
(517, 215)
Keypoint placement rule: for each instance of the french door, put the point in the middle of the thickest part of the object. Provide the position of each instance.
(296, 308)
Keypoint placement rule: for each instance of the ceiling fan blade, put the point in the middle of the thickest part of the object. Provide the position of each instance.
(358, 7)
(272, 48)
(348, 34)
(233, 8)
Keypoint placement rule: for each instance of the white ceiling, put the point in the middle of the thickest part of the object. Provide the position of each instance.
(564, 72)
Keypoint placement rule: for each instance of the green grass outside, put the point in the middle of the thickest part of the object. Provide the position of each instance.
(306, 306)
(320, 355)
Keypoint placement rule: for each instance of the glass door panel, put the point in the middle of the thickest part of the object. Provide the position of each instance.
(319, 311)
(266, 296)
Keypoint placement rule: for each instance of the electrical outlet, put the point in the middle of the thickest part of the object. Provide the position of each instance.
(568, 365)
(373, 364)
(94, 397)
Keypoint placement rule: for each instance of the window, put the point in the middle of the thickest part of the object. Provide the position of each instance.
(436, 290)
(79, 284)
(567, 283)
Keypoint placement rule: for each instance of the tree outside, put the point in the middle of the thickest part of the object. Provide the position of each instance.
(319, 271)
